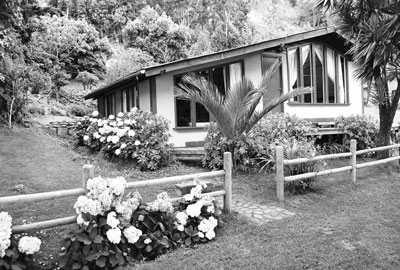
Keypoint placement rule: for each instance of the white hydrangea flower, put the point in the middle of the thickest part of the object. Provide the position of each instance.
(95, 186)
(188, 197)
(127, 122)
(123, 145)
(95, 113)
(200, 234)
(118, 151)
(115, 139)
(194, 210)
(117, 185)
(96, 135)
(131, 133)
(125, 210)
(102, 130)
(163, 196)
(120, 114)
(81, 221)
(106, 198)
(181, 217)
(102, 139)
(211, 209)
(210, 234)
(86, 137)
(121, 132)
(112, 123)
(5, 232)
(196, 191)
(112, 220)
(99, 123)
(120, 123)
(180, 227)
(29, 245)
(114, 235)
(137, 142)
(111, 117)
(86, 205)
(134, 110)
(132, 234)
(147, 241)
(109, 138)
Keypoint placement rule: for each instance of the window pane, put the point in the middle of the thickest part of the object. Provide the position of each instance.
(124, 101)
(293, 69)
(235, 73)
(341, 98)
(330, 64)
(219, 78)
(202, 115)
(319, 73)
(307, 78)
(183, 117)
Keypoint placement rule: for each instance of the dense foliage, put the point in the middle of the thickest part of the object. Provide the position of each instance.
(362, 128)
(255, 146)
(137, 136)
(112, 231)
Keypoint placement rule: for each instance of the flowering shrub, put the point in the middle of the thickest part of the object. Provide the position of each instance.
(138, 136)
(250, 148)
(111, 232)
(361, 128)
(15, 254)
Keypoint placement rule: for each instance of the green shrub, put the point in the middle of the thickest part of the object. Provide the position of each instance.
(137, 136)
(249, 149)
(79, 110)
(293, 149)
(361, 128)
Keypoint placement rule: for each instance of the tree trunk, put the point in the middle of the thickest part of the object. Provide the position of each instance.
(10, 113)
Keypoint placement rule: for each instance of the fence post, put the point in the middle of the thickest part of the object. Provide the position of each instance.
(88, 172)
(280, 176)
(228, 182)
(353, 160)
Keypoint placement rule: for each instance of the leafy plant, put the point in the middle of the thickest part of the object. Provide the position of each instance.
(361, 128)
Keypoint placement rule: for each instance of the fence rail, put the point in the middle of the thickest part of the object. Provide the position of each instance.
(281, 163)
(88, 172)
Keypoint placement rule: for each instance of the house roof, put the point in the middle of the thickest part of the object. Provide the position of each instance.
(155, 70)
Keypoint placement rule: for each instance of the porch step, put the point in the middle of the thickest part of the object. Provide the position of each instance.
(189, 153)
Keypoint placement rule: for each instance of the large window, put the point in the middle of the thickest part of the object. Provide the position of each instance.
(321, 68)
(191, 114)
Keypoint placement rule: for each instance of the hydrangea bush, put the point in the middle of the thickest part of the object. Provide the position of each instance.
(113, 230)
(15, 253)
(137, 136)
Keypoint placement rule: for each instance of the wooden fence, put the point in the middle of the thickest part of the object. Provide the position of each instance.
(352, 167)
(88, 172)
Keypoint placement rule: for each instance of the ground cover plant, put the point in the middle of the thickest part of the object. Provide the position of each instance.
(337, 226)
(138, 136)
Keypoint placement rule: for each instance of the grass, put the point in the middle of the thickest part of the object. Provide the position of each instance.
(339, 225)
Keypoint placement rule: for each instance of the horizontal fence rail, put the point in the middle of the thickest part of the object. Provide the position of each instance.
(88, 172)
(281, 163)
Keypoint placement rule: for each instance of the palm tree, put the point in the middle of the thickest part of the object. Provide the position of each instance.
(374, 27)
(237, 111)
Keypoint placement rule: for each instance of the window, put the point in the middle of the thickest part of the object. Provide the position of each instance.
(125, 100)
(191, 114)
(319, 67)
(109, 102)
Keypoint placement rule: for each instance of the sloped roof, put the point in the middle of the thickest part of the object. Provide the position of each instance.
(329, 32)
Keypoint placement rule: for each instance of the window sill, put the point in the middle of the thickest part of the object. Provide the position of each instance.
(189, 128)
(318, 104)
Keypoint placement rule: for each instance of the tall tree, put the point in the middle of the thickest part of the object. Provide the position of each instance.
(157, 35)
(374, 27)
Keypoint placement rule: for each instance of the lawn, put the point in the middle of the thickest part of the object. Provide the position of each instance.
(339, 225)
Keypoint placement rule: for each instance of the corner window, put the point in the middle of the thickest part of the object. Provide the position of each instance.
(192, 114)
(319, 67)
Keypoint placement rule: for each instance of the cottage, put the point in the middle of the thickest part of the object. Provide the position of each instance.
(315, 58)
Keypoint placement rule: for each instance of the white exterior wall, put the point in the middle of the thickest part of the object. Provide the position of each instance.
(355, 105)
(144, 95)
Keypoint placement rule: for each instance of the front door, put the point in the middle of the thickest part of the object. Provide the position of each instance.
(276, 87)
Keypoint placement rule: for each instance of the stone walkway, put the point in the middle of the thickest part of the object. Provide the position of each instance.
(260, 213)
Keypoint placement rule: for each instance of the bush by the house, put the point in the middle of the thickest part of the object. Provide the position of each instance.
(15, 252)
(361, 128)
(112, 232)
(137, 136)
(250, 148)
(293, 149)
(79, 110)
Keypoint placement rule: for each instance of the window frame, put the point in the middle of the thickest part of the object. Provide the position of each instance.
(192, 103)
(337, 56)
